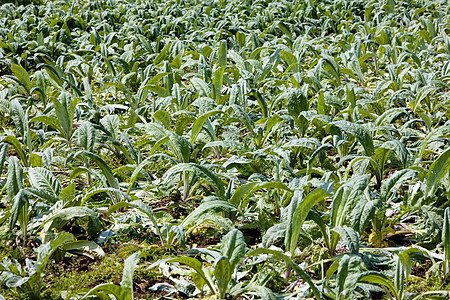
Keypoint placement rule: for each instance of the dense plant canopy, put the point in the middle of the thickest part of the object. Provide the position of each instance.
(225, 149)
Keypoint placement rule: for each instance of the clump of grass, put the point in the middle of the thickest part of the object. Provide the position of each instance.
(82, 277)
(431, 283)
(66, 280)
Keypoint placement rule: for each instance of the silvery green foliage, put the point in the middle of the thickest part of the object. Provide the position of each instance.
(283, 124)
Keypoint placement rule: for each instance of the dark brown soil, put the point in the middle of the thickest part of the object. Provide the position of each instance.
(421, 269)
(202, 241)
(174, 208)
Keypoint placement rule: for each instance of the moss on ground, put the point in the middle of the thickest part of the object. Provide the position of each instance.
(431, 283)
(77, 275)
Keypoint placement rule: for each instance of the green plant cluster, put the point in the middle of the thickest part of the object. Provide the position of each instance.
(269, 149)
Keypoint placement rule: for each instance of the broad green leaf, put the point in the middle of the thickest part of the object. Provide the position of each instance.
(43, 179)
(378, 278)
(164, 117)
(68, 193)
(65, 109)
(437, 171)
(3, 151)
(199, 122)
(194, 264)
(202, 172)
(350, 97)
(199, 281)
(222, 273)
(128, 271)
(273, 59)
(162, 54)
(126, 250)
(88, 248)
(350, 238)
(321, 106)
(86, 136)
(241, 195)
(207, 207)
(22, 77)
(399, 149)
(169, 79)
(363, 212)
(243, 117)
(299, 216)
(233, 247)
(391, 185)
(18, 147)
(106, 170)
(111, 123)
(431, 136)
(19, 116)
(110, 289)
(179, 146)
(15, 177)
(61, 217)
(217, 84)
(390, 116)
(201, 86)
(404, 258)
(161, 91)
(344, 199)
(48, 120)
(19, 208)
(358, 164)
(36, 160)
(178, 232)
(270, 124)
(446, 239)
(242, 192)
(274, 233)
(183, 119)
(45, 251)
(262, 103)
(54, 72)
(399, 276)
(360, 133)
(334, 68)
(44, 195)
(133, 153)
(347, 276)
(296, 102)
(223, 53)
(209, 217)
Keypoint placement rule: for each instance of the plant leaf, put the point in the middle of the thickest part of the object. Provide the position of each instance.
(128, 271)
(222, 273)
(202, 172)
(350, 237)
(43, 179)
(360, 133)
(437, 171)
(233, 247)
(86, 136)
(15, 177)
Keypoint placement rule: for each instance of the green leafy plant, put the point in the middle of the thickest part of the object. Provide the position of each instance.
(28, 280)
(283, 124)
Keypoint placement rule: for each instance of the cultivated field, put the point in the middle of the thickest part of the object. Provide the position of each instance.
(236, 149)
